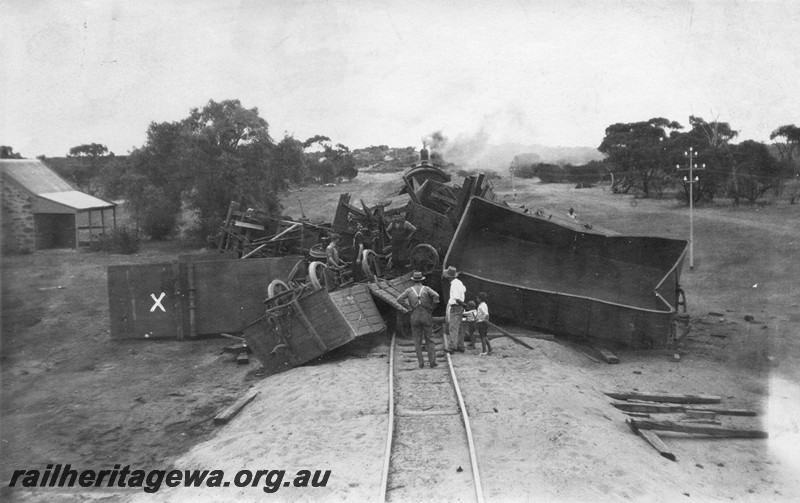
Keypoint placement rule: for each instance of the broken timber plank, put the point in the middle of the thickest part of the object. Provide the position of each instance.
(701, 421)
(544, 337)
(663, 397)
(652, 424)
(701, 414)
(653, 440)
(653, 407)
(230, 411)
(608, 356)
(587, 355)
(510, 336)
(680, 408)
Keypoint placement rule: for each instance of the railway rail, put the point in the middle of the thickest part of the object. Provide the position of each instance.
(430, 454)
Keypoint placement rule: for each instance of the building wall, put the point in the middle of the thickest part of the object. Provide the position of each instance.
(18, 233)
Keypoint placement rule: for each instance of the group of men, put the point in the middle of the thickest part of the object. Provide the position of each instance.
(421, 300)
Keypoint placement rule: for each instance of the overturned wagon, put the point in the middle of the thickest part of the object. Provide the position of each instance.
(305, 323)
(569, 279)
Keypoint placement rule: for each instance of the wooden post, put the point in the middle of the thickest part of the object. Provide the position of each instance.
(77, 230)
(231, 208)
(103, 221)
(192, 321)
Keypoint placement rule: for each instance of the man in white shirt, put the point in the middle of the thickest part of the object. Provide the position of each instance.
(453, 339)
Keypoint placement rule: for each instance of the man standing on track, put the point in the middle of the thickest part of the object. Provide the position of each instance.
(453, 338)
(421, 300)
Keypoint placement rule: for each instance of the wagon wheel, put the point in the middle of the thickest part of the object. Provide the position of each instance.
(371, 264)
(299, 269)
(318, 251)
(316, 273)
(424, 258)
(280, 295)
(277, 286)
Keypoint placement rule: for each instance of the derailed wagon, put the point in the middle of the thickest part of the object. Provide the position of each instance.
(304, 323)
(569, 279)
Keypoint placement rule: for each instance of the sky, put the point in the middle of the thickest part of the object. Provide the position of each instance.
(372, 72)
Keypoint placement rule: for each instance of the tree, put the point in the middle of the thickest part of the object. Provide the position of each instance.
(85, 173)
(789, 151)
(290, 156)
(790, 147)
(332, 162)
(711, 142)
(7, 152)
(756, 169)
(637, 151)
(153, 181)
(218, 154)
(91, 150)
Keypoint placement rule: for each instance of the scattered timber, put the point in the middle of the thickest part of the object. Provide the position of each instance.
(242, 359)
(713, 431)
(653, 440)
(663, 397)
(665, 408)
(230, 411)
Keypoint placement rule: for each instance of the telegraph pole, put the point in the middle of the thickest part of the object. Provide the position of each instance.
(691, 154)
(512, 168)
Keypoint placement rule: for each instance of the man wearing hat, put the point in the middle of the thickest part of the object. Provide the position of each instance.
(421, 300)
(455, 309)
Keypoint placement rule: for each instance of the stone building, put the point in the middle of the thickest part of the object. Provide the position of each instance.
(41, 210)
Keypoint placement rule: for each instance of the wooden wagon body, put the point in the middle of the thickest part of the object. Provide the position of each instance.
(568, 279)
(305, 328)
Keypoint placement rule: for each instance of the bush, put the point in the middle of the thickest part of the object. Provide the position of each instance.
(526, 171)
(159, 219)
(123, 240)
(550, 173)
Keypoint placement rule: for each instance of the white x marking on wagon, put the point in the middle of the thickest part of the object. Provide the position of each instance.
(157, 302)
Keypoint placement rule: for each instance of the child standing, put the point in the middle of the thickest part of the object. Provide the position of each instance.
(482, 323)
(469, 323)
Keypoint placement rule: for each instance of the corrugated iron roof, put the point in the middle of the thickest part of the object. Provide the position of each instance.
(41, 181)
(77, 200)
(34, 176)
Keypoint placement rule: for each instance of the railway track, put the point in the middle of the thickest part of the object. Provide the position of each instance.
(430, 454)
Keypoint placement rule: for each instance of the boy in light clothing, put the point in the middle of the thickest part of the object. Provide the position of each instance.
(469, 323)
(482, 323)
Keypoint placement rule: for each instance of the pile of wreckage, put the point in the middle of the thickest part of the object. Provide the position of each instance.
(270, 285)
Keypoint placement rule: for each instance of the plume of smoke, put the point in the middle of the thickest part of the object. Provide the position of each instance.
(465, 150)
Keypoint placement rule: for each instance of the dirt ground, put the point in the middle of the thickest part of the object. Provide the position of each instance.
(543, 428)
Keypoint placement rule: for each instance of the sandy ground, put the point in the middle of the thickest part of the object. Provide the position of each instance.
(543, 428)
